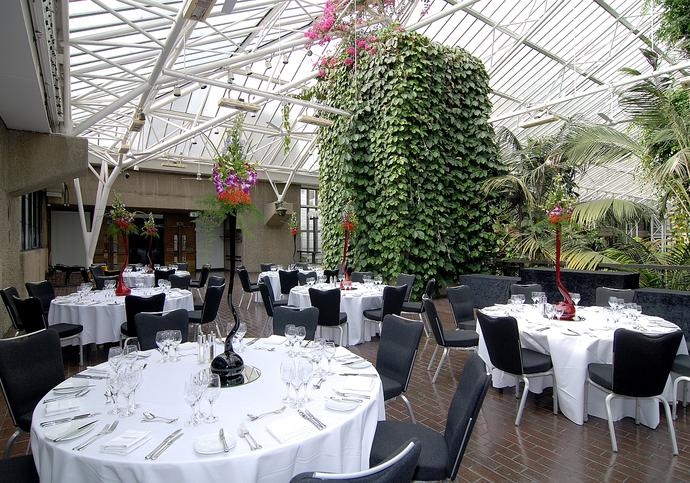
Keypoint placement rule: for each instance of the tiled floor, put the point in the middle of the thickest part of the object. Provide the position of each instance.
(544, 448)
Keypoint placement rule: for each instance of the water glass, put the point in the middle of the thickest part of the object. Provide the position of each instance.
(175, 341)
(300, 335)
(549, 310)
(162, 337)
(576, 298)
(239, 335)
(558, 311)
(115, 358)
(211, 394)
(290, 334)
(329, 352)
(287, 375)
(303, 373)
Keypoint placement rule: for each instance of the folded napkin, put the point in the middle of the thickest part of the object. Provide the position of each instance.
(126, 442)
(356, 384)
(62, 406)
(290, 427)
(273, 340)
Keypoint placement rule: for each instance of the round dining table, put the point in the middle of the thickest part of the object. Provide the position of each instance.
(290, 444)
(275, 280)
(101, 313)
(147, 280)
(573, 345)
(353, 302)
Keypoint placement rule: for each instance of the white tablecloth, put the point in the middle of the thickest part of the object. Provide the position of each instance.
(275, 280)
(353, 303)
(571, 355)
(148, 279)
(102, 315)
(343, 447)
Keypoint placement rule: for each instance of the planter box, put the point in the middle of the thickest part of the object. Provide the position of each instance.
(672, 305)
(584, 282)
(488, 289)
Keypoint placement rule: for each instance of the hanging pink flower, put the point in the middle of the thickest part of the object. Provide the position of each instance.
(348, 61)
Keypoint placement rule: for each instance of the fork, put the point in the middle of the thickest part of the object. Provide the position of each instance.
(243, 432)
(253, 417)
(107, 429)
(317, 384)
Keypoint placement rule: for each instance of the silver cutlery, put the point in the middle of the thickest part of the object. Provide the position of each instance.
(573, 332)
(81, 393)
(357, 374)
(310, 419)
(356, 361)
(70, 390)
(269, 349)
(318, 421)
(345, 399)
(253, 417)
(243, 432)
(150, 417)
(221, 436)
(317, 384)
(353, 394)
(253, 341)
(72, 433)
(172, 437)
(107, 429)
(88, 376)
(67, 420)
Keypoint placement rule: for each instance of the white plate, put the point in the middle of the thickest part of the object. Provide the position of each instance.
(55, 432)
(210, 443)
(343, 406)
(357, 365)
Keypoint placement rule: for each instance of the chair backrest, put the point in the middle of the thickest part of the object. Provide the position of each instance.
(525, 289)
(244, 279)
(288, 280)
(215, 281)
(398, 348)
(603, 294)
(434, 321)
(464, 410)
(266, 298)
(147, 325)
(308, 317)
(302, 266)
(212, 299)
(30, 313)
(642, 362)
(99, 280)
(502, 341)
(182, 266)
(328, 303)
(135, 304)
(303, 276)
(461, 303)
(161, 275)
(43, 291)
(359, 276)
(406, 279)
(393, 299)
(269, 284)
(30, 366)
(399, 467)
(205, 271)
(266, 267)
(430, 288)
(180, 281)
(6, 294)
(96, 271)
(331, 275)
(19, 469)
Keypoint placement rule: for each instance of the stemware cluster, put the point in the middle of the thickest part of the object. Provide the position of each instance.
(294, 335)
(168, 342)
(296, 374)
(124, 377)
(201, 385)
(164, 284)
(622, 311)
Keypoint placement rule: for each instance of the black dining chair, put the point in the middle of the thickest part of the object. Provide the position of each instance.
(247, 286)
(308, 317)
(212, 281)
(640, 370)
(288, 280)
(182, 266)
(328, 303)
(359, 276)
(331, 275)
(209, 311)
(441, 453)
(99, 281)
(203, 277)
(525, 289)
(604, 293)
(43, 291)
(502, 340)
(302, 277)
(180, 281)
(462, 307)
(6, 294)
(30, 313)
(397, 468)
(406, 279)
(134, 305)
(395, 356)
(393, 299)
(148, 325)
(266, 267)
(159, 274)
(681, 366)
(448, 339)
(275, 303)
(20, 469)
(30, 366)
(266, 299)
(417, 307)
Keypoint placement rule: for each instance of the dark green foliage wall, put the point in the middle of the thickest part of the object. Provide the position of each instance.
(411, 160)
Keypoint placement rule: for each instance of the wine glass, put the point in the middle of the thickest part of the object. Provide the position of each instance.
(115, 358)
(112, 387)
(576, 298)
(300, 335)
(550, 311)
(175, 341)
(290, 334)
(303, 375)
(161, 342)
(130, 349)
(558, 311)
(130, 379)
(315, 355)
(190, 397)
(211, 393)
(287, 374)
(519, 299)
(378, 279)
(613, 302)
(329, 352)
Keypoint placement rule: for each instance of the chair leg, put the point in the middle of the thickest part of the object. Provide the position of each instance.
(671, 429)
(609, 417)
(433, 356)
(423, 320)
(10, 442)
(249, 301)
(523, 400)
(555, 394)
(440, 363)
(517, 387)
(241, 299)
(676, 384)
(585, 415)
(340, 328)
(409, 408)
(637, 411)
(81, 353)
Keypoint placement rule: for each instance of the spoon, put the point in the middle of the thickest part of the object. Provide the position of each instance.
(152, 417)
(253, 417)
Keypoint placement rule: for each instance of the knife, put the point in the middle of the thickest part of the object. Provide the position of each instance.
(253, 341)
(163, 443)
(72, 433)
(355, 394)
(345, 399)
(318, 421)
(357, 374)
(86, 376)
(67, 420)
(316, 425)
(221, 436)
(166, 446)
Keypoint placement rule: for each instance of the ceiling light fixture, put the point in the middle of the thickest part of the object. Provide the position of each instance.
(198, 10)
(268, 63)
(316, 121)
(286, 59)
(539, 121)
(238, 104)
(684, 82)
(124, 148)
(177, 92)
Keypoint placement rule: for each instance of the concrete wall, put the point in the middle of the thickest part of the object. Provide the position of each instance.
(30, 162)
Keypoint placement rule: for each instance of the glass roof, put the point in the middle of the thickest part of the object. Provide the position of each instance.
(128, 56)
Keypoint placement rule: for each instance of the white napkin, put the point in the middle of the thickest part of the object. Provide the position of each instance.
(62, 406)
(290, 427)
(126, 442)
(356, 384)
(273, 340)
